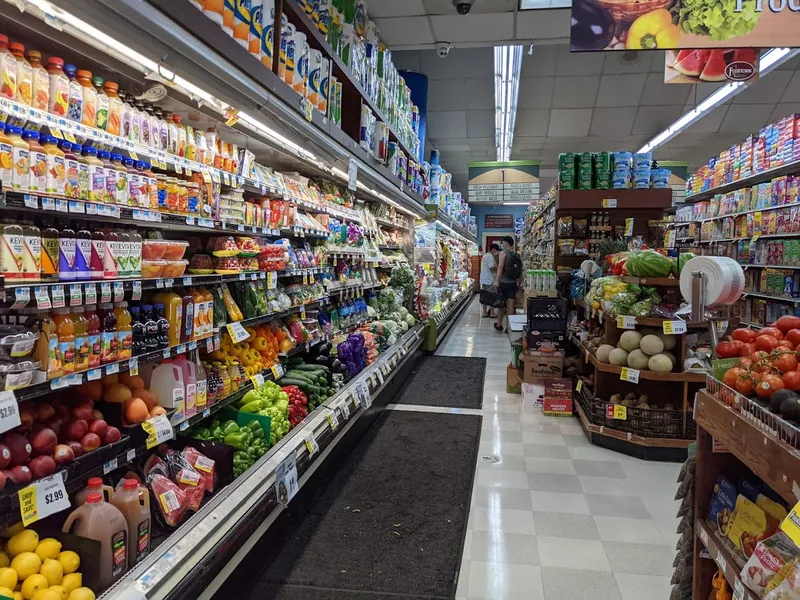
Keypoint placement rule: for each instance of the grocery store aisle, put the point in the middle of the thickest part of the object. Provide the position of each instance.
(556, 517)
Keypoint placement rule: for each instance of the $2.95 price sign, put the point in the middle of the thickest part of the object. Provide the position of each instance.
(42, 499)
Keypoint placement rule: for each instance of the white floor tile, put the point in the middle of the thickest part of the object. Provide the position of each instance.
(502, 519)
(618, 529)
(558, 502)
(490, 581)
(643, 587)
(572, 554)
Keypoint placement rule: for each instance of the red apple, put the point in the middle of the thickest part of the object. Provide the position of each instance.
(57, 425)
(83, 411)
(44, 412)
(43, 442)
(42, 466)
(21, 475)
(99, 427)
(5, 456)
(20, 448)
(63, 454)
(76, 448)
(96, 414)
(91, 441)
(76, 429)
(112, 435)
(26, 415)
(62, 411)
(2, 480)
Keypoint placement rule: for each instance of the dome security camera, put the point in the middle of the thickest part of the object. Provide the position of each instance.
(443, 49)
(463, 6)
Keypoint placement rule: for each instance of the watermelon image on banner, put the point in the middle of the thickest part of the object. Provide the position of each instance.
(704, 64)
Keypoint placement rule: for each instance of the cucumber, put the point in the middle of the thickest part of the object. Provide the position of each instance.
(301, 383)
(305, 367)
(298, 375)
(295, 361)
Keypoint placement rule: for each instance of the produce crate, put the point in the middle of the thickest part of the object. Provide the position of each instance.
(547, 314)
(644, 422)
(243, 419)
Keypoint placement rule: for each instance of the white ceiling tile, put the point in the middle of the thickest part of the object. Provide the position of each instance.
(657, 92)
(462, 63)
(405, 31)
(613, 121)
(447, 124)
(446, 146)
(529, 142)
(445, 7)
(455, 94)
(393, 8)
(792, 93)
(783, 110)
(569, 122)
(621, 90)
(575, 92)
(699, 92)
(475, 28)
(766, 90)
(542, 24)
(482, 143)
(543, 61)
(535, 92)
(711, 122)
(746, 118)
(480, 123)
(532, 122)
(578, 63)
(793, 64)
(655, 119)
(628, 62)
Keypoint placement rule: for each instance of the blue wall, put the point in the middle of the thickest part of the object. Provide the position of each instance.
(479, 211)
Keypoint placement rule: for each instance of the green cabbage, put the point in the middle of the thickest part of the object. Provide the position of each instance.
(716, 18)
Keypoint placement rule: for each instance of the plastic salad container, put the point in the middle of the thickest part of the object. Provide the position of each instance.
(175, 249)
(152, 268)
(16, 343)
(174, 268)
(153, 249)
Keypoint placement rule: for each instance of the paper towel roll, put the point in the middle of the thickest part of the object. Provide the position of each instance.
(724, 279)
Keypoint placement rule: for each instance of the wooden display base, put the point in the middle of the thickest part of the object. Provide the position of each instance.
(643, 374)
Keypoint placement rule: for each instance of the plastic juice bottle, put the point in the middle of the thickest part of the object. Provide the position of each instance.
(24, 93)
(236, 376)
(172, 133)
(167, 384)
(20, 159)
(71, 170)
(110, 173)
(88, 97)
(133, 501)
(50, 251)
(150, 328)
(199, 313)
(125, 127)
(123, 253)
(66, 254)
(56, 169)
(136, 122)
(134, 182)
(163, 130)
(201, 394)
(144, 133)
(191, 144)
(190, 383)
(37, 181)
(8, 70)
(94, 485)
(110, 255)
(98, 252)
(49, 351)
(83, 254)
(162, 324)
(75, 106)
(115, 107)
(121, 190)
(135, 253)
(59, 87)
(138, 347)
(151, 185)
(154, 126)
(98, 520)
(124, 331)
(109, 345)
(187, 317)
(227, 389)
(41, 81)
(101, 105)
(31, 252)
(81, 324)
(6, 154)
(12, 253)
(96, 183)
(65, 328)
(181, 134)
(83, 172)
(173, 305)
(208, 320)
(93, 328)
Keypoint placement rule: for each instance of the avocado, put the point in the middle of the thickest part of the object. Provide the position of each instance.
(790, 409)
(778, 398)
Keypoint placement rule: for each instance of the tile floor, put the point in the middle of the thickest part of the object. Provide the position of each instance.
(557, 518)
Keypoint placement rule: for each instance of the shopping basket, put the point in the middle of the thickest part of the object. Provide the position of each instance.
(491, 297)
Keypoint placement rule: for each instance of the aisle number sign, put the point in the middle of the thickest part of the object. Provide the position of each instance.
(629, 375)
(617, 411)
(674, 327)
(626, 322)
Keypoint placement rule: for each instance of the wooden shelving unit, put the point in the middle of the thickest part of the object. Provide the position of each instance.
(649, 375)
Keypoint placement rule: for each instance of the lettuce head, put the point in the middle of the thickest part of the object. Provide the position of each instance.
(717, 19)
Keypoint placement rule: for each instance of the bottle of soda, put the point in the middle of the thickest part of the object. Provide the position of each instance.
(150, 329)
(163, 325)
(138, 331)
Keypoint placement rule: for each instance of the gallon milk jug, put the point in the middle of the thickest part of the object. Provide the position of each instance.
(166, 382)
(98, 520)
(133, 501)
(189, 370)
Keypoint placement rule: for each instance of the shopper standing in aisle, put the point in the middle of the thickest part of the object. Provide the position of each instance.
(509, 270)
(488, 270)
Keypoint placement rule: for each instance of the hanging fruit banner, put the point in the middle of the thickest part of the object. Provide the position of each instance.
(705, 64)
(599, 25)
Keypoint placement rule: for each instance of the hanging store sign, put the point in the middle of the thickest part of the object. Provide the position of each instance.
(599, 25)
(704, 65)
(498, 222)
(498, 182)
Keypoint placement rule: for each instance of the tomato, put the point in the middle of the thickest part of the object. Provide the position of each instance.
(747, 349)
(745, 363)
(791, 380)
(785, 362)
(744, 384)
(787, 323)
(738, 345)
(748, 336)
(767, 343)
(794, 336)
(731, 375)
(773, 331)
(768, 385)
(786, 344)
(726, 350)
(759, 357)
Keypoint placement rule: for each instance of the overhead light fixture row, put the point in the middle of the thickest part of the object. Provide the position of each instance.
(507, 69)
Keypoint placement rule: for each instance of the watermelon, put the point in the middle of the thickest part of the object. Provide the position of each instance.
(692, 63)
(648, 264)
(747, 55)
(680, 262)
(714, 69)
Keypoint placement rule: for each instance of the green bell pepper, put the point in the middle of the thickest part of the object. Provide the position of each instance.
(255, 427)
(201, 433)
(252, 407)
(229, 427)
(217, 435)
(237, 440)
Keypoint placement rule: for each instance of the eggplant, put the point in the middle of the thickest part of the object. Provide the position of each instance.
(322, 360)
(324, 348)
(338, 366)
(591, 26)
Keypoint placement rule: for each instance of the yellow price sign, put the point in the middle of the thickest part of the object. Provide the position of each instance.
(69, 137)
(617, 411)
(277, 371)
(579, 386)
(231, 117)
(674, 327)
(159, 430)
(791, 525)
(133, 155)
(308, 110)
(626, 322)
(609, 203)
(755, 237)
(56, 133)
(628, 374)
(629, 226)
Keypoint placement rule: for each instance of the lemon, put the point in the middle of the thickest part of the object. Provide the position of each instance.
(82, 593)
(53, 571)
(4, 591)
(62, 591)
(8, 578)
(69, 560)
(18, 596)
(25, 541)
(33, 584)
(26, 564)
(47, 594)
(4, 560)
(72, 581)
(48, 548)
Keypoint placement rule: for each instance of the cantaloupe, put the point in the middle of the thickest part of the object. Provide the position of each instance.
(603, 352)
(116, 392)
(638, 360)
(618, 356)
(670, 356)
(660, 363)
(630, 340)
(651, 344)
(670, 341)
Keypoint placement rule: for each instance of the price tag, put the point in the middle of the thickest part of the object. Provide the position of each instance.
(57, 293)
(258, 380)
(133, 366)
(722, 327)
(183, 426)
(305, 278)
(629, 226)
(42, 297)
(333, 420)
(119, 291)
(631, 375)
(277, 371)
(9, 411)
(94, 374)
(192, 346)
(187, 281)
(62, 205)
(674, 327)
(169, 282)
(356, 399)
(617, 411)
(48, 204)
(308, 110)
(366, 397)
(352, 176)
(311, 445)
(345, 410)
(112, 368)
(190, 220)
(166, 353)
(226, 178)
(206, 413)
(210, 345)
(738, 590)
(105, 292)
(160, 284)
(286, 483)
(609, 203)
(626, 322)
(42, 499)
(158, 431)
(110, 466)
(178, 169)
(131, 456)
(21, 298)
(237, 332)
(75, 294)
(181, 349)
(31, 201)
(721, 562)
(379, 373)
(137, 291)
(579, 385)
(302, 311)
(90, 293)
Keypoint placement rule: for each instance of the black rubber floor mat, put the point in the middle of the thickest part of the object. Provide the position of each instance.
(446, 381)
(393, 520)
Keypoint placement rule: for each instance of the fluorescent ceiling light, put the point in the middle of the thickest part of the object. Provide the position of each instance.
(507, 67)
(516, 203)
(768, 61)
(540, 4)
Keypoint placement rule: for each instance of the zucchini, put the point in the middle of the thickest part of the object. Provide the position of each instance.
(305, 367)
(298, 375)
(301, 383)
(295, 361)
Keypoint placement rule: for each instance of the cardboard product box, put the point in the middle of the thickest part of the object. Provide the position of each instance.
(537, 365)
(513, 382)
(558, 397)
(546, 340)
(533, 396)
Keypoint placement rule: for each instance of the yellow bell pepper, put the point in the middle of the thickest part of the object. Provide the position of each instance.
(653, 30)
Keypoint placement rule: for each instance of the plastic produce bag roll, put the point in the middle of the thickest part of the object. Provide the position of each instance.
(724, 279)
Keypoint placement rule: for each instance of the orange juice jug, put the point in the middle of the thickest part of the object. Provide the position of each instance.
(65, 329)
(95, 485)
(115, 103)
(20, 159)
(81, 324)
(133, 501)
(48, 348)
(124, 331)
(208, 299)
(24, 74)
(98, 520)
(173, 309)
(241, 22)
(228, 8)
(41, 81)
(199, 313)
(8, 69)
(6, 156)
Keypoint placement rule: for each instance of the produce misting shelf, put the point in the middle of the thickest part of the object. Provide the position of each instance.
(440, 324)
(760, 177)
(645, 374)
(720, 555)
(750, 237)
